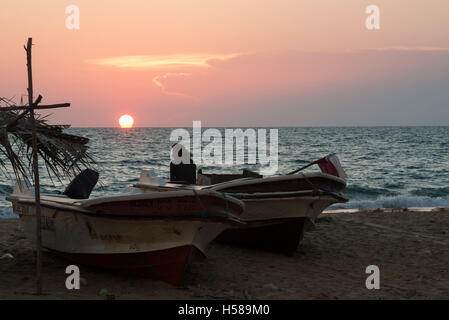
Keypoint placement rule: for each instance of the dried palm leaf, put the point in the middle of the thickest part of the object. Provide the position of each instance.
(64, 155)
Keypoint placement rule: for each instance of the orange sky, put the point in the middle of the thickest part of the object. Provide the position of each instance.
(235, 63)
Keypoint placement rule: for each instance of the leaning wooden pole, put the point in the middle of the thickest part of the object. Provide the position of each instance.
(36, 173)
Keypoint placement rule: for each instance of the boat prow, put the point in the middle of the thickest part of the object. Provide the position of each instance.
(154, 235)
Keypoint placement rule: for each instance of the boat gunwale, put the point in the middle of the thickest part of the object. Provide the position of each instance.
(217, 187)
(248, 181)
(259, 195)
(288, 195)
(98, 213)
(172, 193)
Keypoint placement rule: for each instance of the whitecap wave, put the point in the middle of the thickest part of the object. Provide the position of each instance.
(393, 202)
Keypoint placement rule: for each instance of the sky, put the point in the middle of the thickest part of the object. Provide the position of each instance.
(231, 63)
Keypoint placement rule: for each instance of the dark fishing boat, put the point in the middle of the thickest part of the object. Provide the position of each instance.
(278, 209)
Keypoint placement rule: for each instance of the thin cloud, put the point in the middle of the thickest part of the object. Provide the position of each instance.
(158, 81)
(162, 62)
(411, 49)
(168, 62)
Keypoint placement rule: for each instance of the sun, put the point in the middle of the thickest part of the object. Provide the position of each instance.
(126, 121)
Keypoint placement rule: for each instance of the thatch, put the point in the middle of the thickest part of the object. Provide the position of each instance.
(63, 154)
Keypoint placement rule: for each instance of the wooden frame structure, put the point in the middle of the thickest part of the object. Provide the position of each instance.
(34, 105)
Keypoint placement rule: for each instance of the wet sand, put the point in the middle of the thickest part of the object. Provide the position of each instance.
(410, 248)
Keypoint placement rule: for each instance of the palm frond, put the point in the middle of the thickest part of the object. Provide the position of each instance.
(63, 154)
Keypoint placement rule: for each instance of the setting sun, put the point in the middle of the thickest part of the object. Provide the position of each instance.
(126, 121)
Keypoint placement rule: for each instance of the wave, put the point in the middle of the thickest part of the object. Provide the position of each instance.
(431, 192)
(357, 191)
(5, 189)
(7, 213)
(393, 202)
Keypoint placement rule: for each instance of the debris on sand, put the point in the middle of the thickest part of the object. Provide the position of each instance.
(7, 256)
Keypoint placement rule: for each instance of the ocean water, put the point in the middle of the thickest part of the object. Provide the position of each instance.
(387, 167)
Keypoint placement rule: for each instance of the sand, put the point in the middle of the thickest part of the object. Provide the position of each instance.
(410, 248)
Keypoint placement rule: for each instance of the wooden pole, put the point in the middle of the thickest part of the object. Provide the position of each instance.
(50, 106)
(36, 173)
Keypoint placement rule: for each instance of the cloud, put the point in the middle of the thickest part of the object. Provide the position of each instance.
(411, 49)
(198, 61)
(176, 61)
(158, 81)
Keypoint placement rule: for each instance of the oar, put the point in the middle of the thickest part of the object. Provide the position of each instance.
(302, 168)
(311, 164)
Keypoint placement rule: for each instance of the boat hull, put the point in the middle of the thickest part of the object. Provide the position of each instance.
(279, 209)
(276, 225)
(158, 248)
(279, 235)
(270, 209)
(168, 265)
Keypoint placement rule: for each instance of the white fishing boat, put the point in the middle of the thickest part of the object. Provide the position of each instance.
(149, 234)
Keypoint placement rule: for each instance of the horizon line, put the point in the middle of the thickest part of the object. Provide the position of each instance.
(269, 126)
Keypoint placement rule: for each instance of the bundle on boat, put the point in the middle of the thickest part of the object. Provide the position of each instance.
(63, 154)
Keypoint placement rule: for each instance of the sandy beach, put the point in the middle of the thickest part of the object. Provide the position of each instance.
(411, 249)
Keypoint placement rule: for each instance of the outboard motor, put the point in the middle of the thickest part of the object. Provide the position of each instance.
(183, 172)
(82, 185)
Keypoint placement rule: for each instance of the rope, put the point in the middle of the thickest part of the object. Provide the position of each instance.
(227, 201)
(204, 213)
(315, 189)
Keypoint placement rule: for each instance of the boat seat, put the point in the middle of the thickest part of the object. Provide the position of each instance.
(82, 185)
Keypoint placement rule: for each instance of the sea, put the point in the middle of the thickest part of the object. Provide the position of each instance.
(387, 167)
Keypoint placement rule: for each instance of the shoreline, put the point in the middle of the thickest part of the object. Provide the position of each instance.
(411, 249)
(405, 209)
(332, 211)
